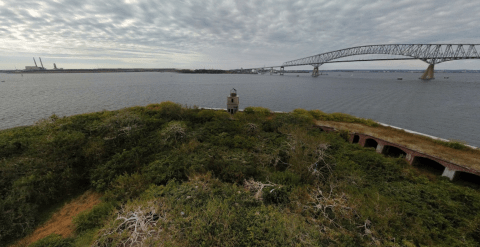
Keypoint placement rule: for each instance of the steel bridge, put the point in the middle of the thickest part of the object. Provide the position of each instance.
(429, 53)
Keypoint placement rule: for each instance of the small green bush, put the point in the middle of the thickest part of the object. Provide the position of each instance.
(285, 178)
(53, 240)
(127, 187)
(168, 168)
(174, 132)
(344, 134)
(341, 117)
(303, 116)
(271, 125)
(452, 144)
(122, 125)
(276, 195)
(232, 170)
(258, 111)
(93, 218)
(126, 162)
(168, 110)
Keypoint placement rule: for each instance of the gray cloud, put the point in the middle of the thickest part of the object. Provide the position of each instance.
(221, 34)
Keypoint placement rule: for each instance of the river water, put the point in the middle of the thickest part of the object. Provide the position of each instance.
(445, 107)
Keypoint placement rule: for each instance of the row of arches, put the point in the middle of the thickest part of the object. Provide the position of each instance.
(423, 163)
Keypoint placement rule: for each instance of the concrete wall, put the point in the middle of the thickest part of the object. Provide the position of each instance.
(450, 167)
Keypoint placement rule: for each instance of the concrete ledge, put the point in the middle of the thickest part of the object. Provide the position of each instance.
(410, 154)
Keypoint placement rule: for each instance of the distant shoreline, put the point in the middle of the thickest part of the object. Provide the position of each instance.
(213, 71)
(86, 71)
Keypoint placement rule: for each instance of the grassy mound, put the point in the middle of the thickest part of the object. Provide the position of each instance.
(176, 176)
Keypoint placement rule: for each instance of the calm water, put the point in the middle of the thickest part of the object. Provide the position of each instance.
(447, 108)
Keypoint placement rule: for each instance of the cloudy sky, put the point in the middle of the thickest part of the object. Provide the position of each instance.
(224, 34)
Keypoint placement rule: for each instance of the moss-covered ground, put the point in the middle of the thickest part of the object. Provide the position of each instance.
(178, 176)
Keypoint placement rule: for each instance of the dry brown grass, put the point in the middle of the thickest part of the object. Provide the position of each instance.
(469, 158)
(61, 221)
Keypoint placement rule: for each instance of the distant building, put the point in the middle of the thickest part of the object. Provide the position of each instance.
(32, 68)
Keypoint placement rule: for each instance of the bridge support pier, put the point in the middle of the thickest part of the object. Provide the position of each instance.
(429, 73)
(315, 71)
(282, 70)
(271, 71)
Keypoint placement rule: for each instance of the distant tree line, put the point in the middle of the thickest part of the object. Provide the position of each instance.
(203, 71)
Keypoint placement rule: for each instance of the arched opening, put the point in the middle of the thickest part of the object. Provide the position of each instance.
(392, 151)
(467, 179)
(370, 143)
(428, 165)
(356, 139)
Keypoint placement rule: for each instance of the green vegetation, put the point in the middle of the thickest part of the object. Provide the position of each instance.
(53, 240)
(176, 176)
(339, 117)
(453, 144)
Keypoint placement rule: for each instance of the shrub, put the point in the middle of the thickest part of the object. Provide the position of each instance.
(294, 118)
(16, 141)
(303, 116)
(127, 187)
(93, 218)
(174, 132)
(341, 117)
(452, 144)
(475, 229)
(121, 125)
(344, 134)
(17, 218)
(271, 125)
(126, 162)
(318, 115)
(251, 129)
(285, 178)
(162, 171)
(276, 195)
(205, 115)
(258, 111)
(53, 240)
(168, 110)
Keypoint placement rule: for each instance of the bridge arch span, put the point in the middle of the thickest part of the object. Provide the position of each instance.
(429, 53)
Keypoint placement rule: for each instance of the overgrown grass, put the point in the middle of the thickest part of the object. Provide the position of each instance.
(190, 177)
(452, 144)
(341, 117)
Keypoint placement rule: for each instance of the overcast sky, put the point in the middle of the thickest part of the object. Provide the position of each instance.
(224, 34)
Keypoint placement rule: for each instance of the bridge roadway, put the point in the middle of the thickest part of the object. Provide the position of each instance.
(429, 53)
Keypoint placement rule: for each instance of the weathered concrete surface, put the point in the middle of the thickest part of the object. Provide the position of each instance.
(448, 173)
(450, 167)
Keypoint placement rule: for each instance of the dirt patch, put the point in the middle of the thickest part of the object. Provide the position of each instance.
(468, 158)
(61, 221)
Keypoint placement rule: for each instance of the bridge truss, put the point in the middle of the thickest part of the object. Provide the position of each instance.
(429, 53)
